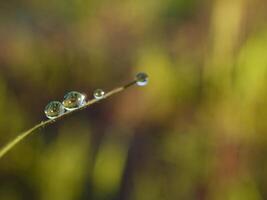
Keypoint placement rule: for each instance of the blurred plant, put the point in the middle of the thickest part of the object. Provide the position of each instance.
(141, 80)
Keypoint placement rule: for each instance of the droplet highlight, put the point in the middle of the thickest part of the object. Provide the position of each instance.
(54, 109)
(141, 79)
(74, 100)
(99, 93)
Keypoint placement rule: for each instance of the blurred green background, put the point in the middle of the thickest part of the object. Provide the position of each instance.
(196, 131)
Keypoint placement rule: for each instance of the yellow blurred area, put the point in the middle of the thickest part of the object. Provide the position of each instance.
(196, 131)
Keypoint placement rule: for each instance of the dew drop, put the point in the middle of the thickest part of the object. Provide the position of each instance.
(54, 109)
(73, 100)
(99, 93)
(141, 79)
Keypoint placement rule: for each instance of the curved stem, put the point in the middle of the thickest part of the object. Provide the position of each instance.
(20, 137)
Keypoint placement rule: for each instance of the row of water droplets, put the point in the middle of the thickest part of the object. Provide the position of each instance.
(74, 100)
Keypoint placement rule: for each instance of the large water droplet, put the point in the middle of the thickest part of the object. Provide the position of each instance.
(99, 93)
(73, 100)
(141, 79)
(54, 109)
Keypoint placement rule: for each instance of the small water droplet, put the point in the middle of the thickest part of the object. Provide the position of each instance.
(54, 109)
(141, 79)
(73, 100)
(99, 93)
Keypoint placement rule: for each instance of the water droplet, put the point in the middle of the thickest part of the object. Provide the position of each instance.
(73, 100)
(54, 109)
(141, 79)
(99, 93)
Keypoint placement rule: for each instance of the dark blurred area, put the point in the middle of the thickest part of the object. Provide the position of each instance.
(196, 131)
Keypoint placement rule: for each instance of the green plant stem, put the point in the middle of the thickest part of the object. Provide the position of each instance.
(20, 137)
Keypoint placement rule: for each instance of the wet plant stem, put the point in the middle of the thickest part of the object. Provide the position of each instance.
(4, 150)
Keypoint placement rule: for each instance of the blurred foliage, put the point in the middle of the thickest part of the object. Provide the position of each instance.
(197, 131)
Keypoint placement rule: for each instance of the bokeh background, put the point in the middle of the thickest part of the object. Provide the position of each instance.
(196, 131)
